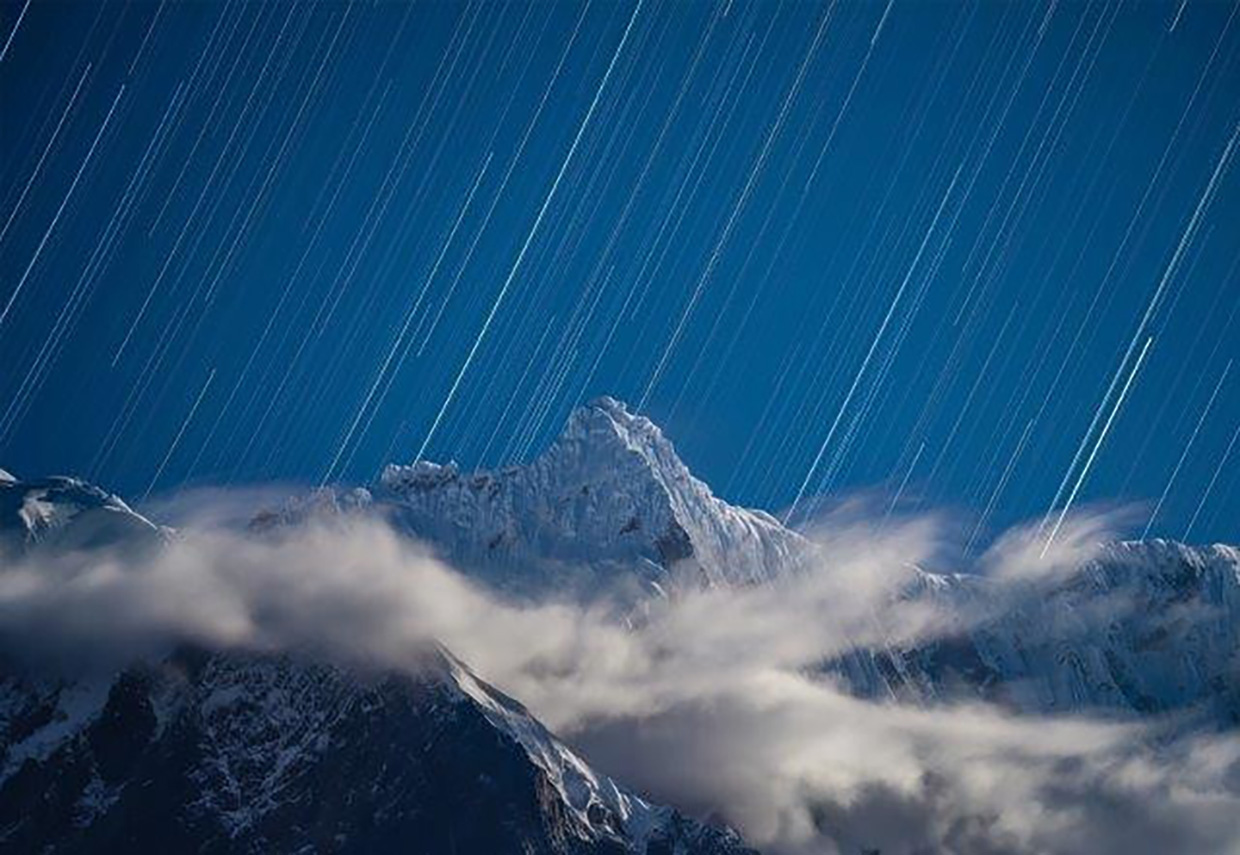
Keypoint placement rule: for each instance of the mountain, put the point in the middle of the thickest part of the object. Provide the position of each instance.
(1142, 628)
(246, 752)
(209, 752)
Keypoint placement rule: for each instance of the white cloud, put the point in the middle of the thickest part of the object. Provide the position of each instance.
(709, 699)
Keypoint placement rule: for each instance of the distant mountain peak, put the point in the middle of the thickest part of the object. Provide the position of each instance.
(600, 431)
(64, 512)
(613, 407)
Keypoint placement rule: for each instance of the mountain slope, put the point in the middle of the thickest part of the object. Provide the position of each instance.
(248, 753)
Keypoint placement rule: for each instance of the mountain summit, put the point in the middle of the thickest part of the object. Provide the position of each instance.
(609, 493)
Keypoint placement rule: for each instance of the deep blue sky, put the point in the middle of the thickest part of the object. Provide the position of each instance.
(826, 247)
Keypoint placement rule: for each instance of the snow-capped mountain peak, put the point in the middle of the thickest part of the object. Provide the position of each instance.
(604, 430)
(610, 492)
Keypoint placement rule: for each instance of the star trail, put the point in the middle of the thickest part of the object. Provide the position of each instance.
(977, 255)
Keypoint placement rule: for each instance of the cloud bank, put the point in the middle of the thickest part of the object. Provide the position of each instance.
(708, 699)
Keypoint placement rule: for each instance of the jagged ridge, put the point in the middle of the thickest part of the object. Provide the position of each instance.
(610, 493)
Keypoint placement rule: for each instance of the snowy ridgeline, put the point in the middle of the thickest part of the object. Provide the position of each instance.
(610, 491)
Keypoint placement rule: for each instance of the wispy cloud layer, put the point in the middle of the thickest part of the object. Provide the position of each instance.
(708, 699)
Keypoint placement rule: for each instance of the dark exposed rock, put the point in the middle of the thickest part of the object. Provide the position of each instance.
(248, 754)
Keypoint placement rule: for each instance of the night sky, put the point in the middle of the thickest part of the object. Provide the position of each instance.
(978, 256)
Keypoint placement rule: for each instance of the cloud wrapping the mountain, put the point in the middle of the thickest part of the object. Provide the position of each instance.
(709, 699)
